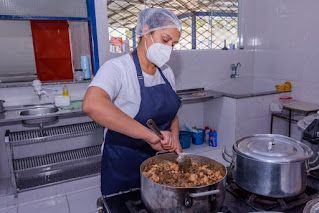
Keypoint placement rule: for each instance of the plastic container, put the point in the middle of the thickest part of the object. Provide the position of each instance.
(198, 138)
(61, 101)
(288, 86)
(213, 138)
(78, 75)
(85, 66)
(65, 91)
(206, 136)
(285, 100)
(185, 138)
(281, 87)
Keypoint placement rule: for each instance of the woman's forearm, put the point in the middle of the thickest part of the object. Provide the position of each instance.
(98, 106)
(175, 127)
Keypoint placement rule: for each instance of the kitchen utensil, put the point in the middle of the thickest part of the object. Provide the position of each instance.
(270, 165)
(183, 161)
(1, 106)
(165, 199)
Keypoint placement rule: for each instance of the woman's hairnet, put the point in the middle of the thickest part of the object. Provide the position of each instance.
(156, 19)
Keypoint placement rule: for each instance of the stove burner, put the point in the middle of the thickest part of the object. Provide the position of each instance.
(136, 206)
(313, 183)
(262, 203)
(315, 174)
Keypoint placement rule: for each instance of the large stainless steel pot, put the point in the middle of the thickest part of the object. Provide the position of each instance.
(164, 199)
(270, 165)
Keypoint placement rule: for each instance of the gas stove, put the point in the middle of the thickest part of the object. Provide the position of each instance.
(237, 200)
(130, 202)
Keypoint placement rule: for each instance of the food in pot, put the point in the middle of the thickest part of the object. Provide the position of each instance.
(167, 173)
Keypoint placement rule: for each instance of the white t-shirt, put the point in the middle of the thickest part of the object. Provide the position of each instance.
(119, 79)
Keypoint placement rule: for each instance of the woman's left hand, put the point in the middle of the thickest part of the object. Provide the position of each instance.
(177, 144)
(167, 142)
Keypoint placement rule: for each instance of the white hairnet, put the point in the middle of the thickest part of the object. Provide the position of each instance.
(156, 19)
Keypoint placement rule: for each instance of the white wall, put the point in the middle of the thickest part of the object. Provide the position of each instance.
(287, 46)
(16, 47)
(211, 69)
(220, 114)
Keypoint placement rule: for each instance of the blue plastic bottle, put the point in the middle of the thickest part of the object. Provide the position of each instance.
(85, 67)
(212, 138)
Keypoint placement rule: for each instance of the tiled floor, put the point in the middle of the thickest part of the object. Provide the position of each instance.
(78, 196)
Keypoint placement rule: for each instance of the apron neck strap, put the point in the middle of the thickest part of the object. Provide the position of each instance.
(138, 68)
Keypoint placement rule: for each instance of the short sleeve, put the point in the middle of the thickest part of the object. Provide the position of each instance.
(108, 78)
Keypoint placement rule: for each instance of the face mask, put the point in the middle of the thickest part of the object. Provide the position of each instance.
(158, 53)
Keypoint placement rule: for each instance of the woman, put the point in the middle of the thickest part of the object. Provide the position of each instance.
(129, 90)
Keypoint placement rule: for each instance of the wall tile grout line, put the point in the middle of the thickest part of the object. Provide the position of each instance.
(67, 200)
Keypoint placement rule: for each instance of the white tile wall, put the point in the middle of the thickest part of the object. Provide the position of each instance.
(253, 117)
(287, 47)
(12, 209)
(210, 69)
(191, 114)
(220, 114)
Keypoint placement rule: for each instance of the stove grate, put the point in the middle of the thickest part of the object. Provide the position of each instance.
(262, 203)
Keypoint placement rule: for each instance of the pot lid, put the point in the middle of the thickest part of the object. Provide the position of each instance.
(273, 148)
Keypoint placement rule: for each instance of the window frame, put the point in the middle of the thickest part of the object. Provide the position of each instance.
(91, 19)
(193, 15)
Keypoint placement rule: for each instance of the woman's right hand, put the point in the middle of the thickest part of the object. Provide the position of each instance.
(155, 142)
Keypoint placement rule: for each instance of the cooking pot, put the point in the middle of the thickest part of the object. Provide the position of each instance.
(1, 106)
(270, 165)
(166, 199)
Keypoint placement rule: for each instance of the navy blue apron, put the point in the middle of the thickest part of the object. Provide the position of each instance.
(123, 155)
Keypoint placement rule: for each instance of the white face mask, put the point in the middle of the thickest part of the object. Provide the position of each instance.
(158, 53)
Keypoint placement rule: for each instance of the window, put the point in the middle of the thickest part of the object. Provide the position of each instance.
(21, 63)
(204, 25)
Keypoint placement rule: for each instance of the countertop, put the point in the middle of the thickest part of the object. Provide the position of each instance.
(13, 113)
(201, 94)
(249, 95)
(205, 150)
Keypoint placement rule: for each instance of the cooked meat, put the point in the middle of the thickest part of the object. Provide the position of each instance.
(168, 174)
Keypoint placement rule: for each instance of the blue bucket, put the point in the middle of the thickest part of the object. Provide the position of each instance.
(185, 138)
(198, 138)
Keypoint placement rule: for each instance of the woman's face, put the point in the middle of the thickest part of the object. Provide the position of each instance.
(168, 36)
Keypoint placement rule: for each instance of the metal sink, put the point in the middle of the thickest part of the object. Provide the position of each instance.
(40, 111)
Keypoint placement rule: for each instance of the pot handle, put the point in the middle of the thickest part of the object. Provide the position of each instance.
(317, 157)
(201, 194)
(313, 168)
(161, 153)
(225, 155)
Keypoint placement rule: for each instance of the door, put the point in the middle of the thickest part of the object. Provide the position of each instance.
(51, 42)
